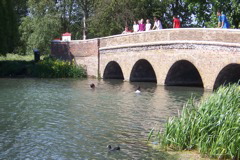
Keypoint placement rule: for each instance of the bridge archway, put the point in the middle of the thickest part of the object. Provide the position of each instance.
(183, 73)
(229, 74)
(143, 71)
(113, 71)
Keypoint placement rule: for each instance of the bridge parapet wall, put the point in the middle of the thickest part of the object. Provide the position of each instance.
(84, 48)
(171, 35)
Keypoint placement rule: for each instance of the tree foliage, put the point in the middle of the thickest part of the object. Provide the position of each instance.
(111, 16)
(205, 11)
(29, 24)
(8, 26)
(40, 26)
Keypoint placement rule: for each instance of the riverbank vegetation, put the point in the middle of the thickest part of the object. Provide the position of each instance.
(29, 24)
(24, 66)
(211, 126)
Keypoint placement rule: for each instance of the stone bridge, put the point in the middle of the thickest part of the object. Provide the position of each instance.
(175, 57)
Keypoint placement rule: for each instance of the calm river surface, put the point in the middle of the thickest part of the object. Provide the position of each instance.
(65, 119)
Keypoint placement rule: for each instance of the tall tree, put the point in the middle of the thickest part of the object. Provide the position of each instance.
(74, 16)
(86, 6)
(110, 16)
(205, 11)
(40, 26)
(20, 7)
(8, 27)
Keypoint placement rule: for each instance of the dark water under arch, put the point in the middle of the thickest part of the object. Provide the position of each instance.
(229, 74)
(183, 73)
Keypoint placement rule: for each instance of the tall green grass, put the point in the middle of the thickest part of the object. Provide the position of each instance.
(211, 126)
(16, 57)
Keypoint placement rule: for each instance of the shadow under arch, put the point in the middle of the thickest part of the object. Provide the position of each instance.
(113, 71)
(183, 73)
(228, 75)
(143, 71)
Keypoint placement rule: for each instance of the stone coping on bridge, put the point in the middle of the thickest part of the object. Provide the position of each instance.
(182, 34)
(173, 29)
(170, 43)
(162, 30)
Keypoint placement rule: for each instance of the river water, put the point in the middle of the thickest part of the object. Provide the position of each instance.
(65, 119)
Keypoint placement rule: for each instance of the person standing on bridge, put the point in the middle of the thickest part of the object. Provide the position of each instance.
(135, 26)
(222, 20)
(176, 22)
(157, 24)
(148, 25)
(126, 31)
(141, 25)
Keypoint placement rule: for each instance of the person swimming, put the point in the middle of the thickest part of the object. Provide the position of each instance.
(138, 90)
(92, 86)
(113, 149)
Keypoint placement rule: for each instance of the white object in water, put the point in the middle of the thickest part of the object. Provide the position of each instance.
(137, 91)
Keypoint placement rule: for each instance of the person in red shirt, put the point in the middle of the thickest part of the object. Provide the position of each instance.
(176, 22)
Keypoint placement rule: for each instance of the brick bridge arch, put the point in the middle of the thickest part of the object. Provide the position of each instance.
(179, 71)
(183, 73)
(113, 71)
(229, 74)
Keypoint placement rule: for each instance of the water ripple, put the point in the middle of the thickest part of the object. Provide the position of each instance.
(65, 119)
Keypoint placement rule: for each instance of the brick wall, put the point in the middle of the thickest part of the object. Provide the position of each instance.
(61, 50)
(84, 48)
(85, 53)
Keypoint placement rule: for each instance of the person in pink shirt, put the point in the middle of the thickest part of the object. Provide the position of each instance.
(142, 25)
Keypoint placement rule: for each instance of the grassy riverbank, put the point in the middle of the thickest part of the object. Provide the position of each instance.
(211, 126)
(24, 66)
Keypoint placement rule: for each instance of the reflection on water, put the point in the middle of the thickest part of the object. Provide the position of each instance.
(65, 119)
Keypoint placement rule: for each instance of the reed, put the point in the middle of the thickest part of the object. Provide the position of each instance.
(211, 126)
(54, 68)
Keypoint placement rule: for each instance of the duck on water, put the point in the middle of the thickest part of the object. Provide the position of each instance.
(113, 149)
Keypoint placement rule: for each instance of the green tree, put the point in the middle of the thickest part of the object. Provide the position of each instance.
(8, 27)
(164, 9)
(86, 7)
(205, 11)
(67, 10)
(40, 26)
(111, 16)
(21, 10)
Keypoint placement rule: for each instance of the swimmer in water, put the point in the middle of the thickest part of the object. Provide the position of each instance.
(92, 86)
(138, 90)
